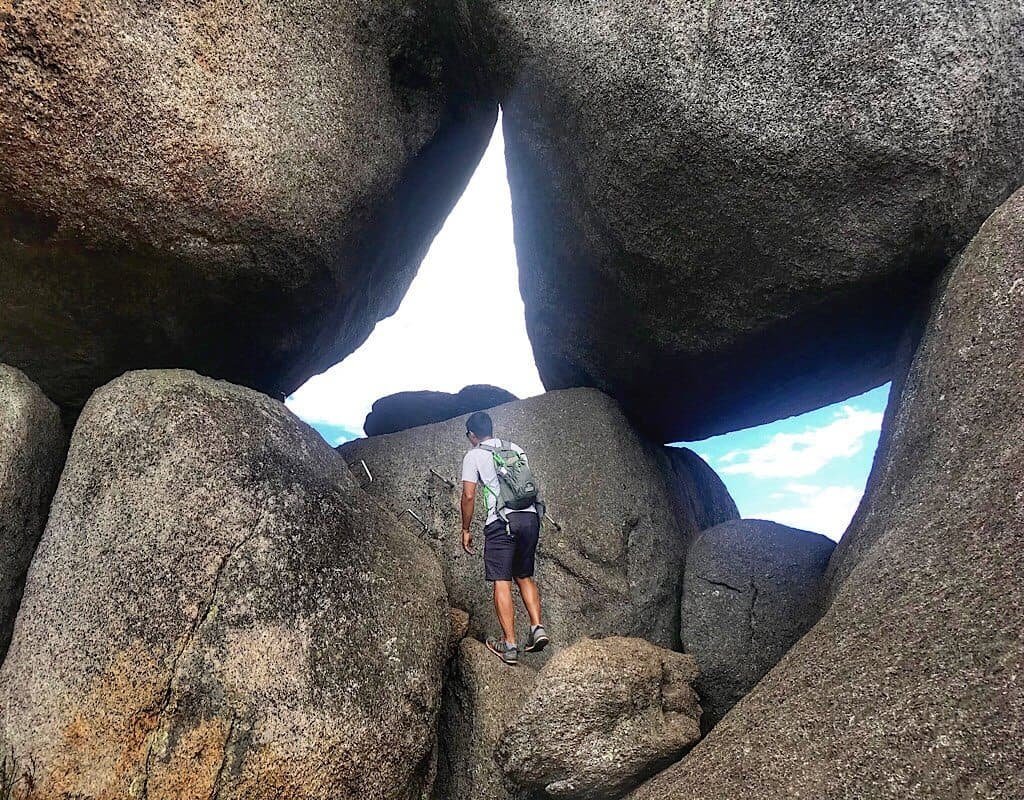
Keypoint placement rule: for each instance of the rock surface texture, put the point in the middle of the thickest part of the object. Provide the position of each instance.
(724, 211)
(910, 685)
(701, 488)
(32, 445)
(399, 412)
(751, 589)
(614, 565)
(602, 715)
(217, 610)
(241, 188)
(482, 697)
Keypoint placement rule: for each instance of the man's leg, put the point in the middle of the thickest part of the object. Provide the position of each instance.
(526, 527)
(506, 609)
(531, 598)
(499, 553)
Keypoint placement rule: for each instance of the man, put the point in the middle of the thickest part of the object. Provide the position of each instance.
(510, 541)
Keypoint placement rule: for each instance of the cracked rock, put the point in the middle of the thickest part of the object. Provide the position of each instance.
(216, 609)
(751, 588)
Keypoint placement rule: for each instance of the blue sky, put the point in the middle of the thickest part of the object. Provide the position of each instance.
(807, 471)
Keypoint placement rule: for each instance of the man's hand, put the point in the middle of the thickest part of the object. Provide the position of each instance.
(467, 542)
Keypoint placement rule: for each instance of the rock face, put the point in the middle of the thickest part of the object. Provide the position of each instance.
(751, 589)
(216, 610)
(399, 412)
(243, 190)
(32, 444)
(482, 697)
(909, 686)
(602, 715)
(723, 212)
(700, 487)
(615, 564)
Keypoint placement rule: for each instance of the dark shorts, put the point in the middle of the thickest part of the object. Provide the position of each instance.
(510, 552)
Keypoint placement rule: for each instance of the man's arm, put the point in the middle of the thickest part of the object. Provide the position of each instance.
(468, 506)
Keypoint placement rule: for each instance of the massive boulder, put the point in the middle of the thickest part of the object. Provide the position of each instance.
(910, 685)
(724, 211)
(217, 610)
(32, 444)
(602, 715)
(701, 488)
(399, 412)
(611, 560)
(241, 188)
(482, 697)
(751, 589)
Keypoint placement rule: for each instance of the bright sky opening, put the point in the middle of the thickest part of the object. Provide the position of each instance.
(436, 340)
(807, 472)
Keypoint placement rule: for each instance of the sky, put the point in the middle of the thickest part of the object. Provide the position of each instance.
(806, 471)
(427, 344)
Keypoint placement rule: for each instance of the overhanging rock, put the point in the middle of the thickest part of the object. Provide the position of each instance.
(909, 686)
(725, 213)
(241, 189)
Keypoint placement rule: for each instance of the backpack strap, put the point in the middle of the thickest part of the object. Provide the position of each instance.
(498, 461)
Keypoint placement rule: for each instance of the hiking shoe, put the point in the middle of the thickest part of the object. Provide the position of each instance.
(537, 640)
(508, 653)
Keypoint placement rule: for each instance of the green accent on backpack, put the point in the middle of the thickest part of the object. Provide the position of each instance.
(518, 489)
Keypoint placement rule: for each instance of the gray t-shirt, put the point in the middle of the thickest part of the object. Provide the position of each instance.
(478, 467)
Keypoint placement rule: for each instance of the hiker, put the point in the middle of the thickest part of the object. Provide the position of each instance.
(511, 530)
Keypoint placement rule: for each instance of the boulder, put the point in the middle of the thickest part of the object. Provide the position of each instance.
(602, 715)
(217, 610)
(910, 685)
(32, 445)
(751, 589)
(701, 488)
(725, 211)
(481, 698)
(399, 412)
(611, 560)
(242, 188)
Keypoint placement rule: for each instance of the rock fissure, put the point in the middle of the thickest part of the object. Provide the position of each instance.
(202, 617)
(722, 584)
(225, 754)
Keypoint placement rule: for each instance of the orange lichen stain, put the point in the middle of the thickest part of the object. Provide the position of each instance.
(126, 740)
(104, 744)
(190, 770)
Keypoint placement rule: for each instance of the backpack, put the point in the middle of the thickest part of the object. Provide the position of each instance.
(518, 489)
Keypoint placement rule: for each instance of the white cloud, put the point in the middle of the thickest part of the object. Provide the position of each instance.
(464, 301)
(798, 455)
(822, 509)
